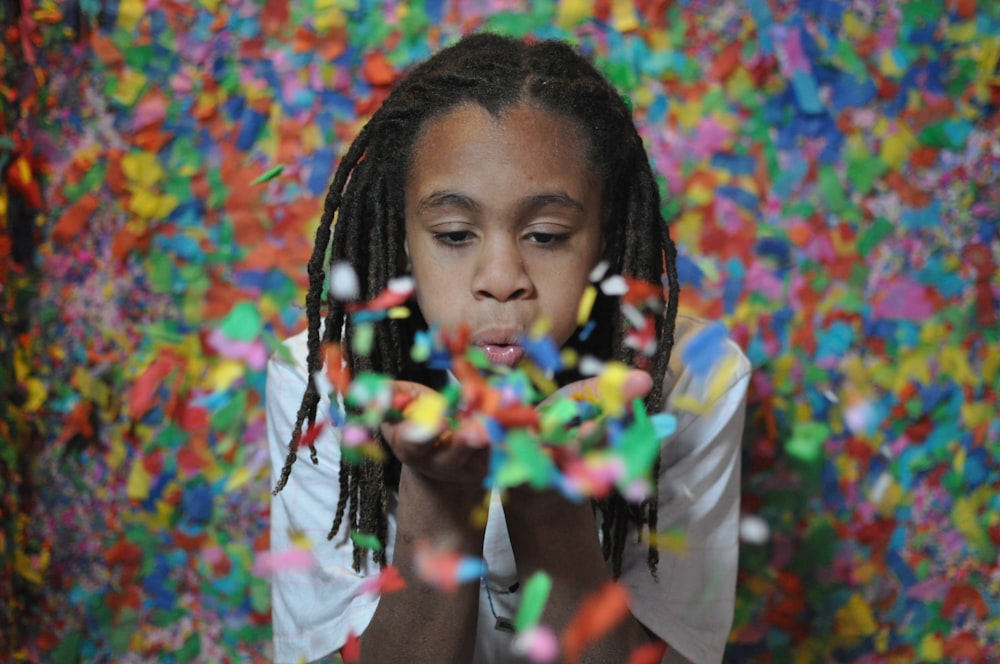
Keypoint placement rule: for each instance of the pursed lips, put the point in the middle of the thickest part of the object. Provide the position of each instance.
(500, 346)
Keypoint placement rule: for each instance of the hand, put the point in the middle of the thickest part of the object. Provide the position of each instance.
(443, 453)
(625, 389)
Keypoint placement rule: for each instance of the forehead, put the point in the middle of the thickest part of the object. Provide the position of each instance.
(543, 146)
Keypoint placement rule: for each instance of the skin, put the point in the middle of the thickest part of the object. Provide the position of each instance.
(502, 226)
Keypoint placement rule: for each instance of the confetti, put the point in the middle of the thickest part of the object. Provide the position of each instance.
(269, 174)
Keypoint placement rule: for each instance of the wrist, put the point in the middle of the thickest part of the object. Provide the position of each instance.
(440, 511)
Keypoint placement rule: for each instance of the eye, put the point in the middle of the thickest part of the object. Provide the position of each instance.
(548, 239)
(453, 238)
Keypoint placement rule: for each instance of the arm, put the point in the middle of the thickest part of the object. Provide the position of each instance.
(440, 486)
(552, 534)
(434, 625)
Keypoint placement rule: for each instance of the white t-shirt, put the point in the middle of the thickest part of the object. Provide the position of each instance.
(690, 606)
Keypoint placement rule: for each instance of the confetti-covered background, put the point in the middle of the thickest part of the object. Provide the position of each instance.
(832, 173)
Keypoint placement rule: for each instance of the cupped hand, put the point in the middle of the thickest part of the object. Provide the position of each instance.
(635, 384)
(442, 453)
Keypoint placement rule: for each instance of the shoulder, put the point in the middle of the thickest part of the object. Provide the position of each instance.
(705, 363)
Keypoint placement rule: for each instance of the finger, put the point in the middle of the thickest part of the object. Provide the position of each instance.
(637, 384)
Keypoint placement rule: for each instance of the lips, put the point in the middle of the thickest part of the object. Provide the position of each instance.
(507, 354)
(500, 345)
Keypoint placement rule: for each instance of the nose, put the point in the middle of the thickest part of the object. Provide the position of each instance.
(501, 273)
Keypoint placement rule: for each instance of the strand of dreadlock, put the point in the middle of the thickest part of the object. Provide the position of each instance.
(310, 399)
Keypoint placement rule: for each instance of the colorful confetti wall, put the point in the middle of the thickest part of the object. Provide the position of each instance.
(832, 171)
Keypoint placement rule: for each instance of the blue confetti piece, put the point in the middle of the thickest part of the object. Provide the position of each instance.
(734, 163)
(705, 348)
(806, 92)
(251, 124)
(664, 424)
(926, 217)
(543, 352)
(470, 569)
(688, 272)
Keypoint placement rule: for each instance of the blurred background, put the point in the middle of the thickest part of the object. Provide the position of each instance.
(831, 172)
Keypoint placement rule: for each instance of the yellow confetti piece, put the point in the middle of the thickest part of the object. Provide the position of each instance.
(92, 389)
(931, 648)
(399, 313)
(238, 478)
(37, 394)
(541, 327)
(962, 31)
(545, 384)
(224, 374)
(427, 411)
(129, 13)
(976, 414)
(148, 205)
(142, 169)
(853, 26)
(609, 388)
(586, 304)
(138, 484)
(623, 16)
(855, 619)
(130, 85)
(572, 12)
(32, 568)
(673, 541)
(896, 149)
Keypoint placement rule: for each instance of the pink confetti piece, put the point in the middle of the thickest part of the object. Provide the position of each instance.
(266, 563)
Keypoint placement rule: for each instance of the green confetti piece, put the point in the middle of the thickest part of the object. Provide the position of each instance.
(526, 463)
(232, 414)
(806, 442)
(865, 171)
(533, 598)
(243, 323)
(161, 272)
(269, 174)
(364, 336)
(872, 235)
(260, 595)
(639, 445)
(191, 648)
(366, 540)
(124, 629)
(830, 189)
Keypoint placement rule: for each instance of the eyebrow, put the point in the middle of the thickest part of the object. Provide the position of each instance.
(439, 199)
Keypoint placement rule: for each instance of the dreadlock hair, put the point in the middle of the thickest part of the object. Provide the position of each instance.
(364, 212)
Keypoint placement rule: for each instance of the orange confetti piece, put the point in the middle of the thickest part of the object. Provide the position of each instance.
(598, 614)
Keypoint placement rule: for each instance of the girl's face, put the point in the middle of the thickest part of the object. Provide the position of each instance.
(503, 224)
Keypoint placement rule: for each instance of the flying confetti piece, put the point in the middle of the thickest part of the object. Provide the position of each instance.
(269, 174)
(388, 580)
(538, 644)
(343, 281)
(444, 569)
(533, 598)
(754, 530)
(598, 614)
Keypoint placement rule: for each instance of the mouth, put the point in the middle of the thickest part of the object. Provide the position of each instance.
(506, 354)
(500, 346)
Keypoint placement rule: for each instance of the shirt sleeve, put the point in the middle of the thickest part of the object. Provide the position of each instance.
(313, 609)
(690, 603)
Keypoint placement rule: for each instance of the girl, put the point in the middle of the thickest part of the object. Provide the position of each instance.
(499, 174)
